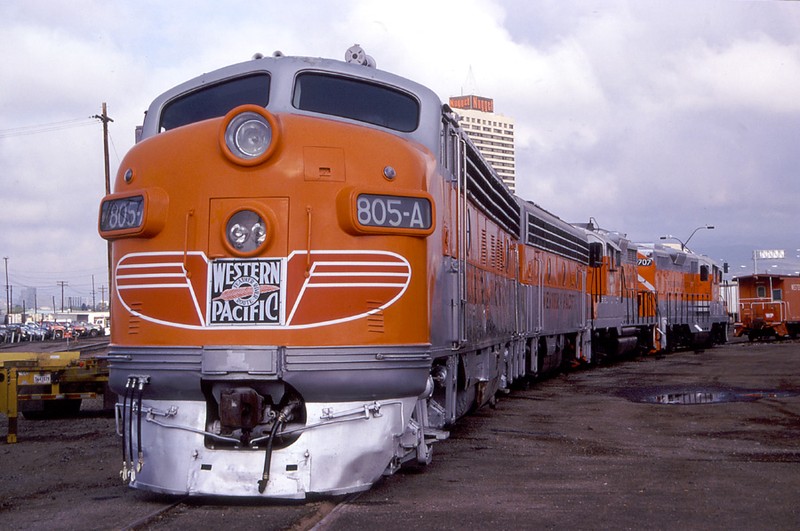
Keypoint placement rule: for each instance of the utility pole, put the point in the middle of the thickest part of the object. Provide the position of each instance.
(62, 283)
(94, 301)
(8, 292)
(105, 119)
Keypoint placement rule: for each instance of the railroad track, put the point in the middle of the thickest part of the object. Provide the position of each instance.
(188, 512)
(143, 522)
(90, 346)
(85, 346)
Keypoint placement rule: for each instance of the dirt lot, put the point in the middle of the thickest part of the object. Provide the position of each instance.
(590, 449)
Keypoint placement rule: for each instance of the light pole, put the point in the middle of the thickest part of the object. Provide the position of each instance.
(685, 243)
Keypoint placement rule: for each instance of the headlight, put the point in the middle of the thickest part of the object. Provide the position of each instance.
(248, 136)
(246, 231)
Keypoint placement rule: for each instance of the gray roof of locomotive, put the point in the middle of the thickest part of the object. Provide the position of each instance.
(283, 70)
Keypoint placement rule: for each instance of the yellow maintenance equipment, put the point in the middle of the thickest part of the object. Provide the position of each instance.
(48, 377)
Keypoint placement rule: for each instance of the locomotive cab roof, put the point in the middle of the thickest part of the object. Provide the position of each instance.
(615, 240)
(676, 256)
(282, 73)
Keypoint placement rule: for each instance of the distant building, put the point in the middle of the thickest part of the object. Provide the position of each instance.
(492, 134)
(28, 298)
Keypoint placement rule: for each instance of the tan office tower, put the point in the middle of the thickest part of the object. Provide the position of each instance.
(492, 134)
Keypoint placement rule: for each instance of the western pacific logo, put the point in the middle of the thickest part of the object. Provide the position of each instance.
(246, 292)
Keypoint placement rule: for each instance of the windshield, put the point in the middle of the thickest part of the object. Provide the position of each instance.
(215, 100)
(357, 100)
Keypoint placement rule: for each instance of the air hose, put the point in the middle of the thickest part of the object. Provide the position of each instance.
(124, 472)
(262, 484)
(284, 417)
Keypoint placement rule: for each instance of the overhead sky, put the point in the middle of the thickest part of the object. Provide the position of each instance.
(651, 117)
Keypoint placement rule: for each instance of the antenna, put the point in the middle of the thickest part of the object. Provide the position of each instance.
(470, 84)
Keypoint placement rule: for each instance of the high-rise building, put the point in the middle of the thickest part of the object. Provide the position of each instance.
(492, 134)
(28, 298)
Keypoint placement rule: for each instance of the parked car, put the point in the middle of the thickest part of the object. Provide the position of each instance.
(16, 332)
(94, 330)
(78, 330)
(35, 332)
(51, 330)
(58, 330)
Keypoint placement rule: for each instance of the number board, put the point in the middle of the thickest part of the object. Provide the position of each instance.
(394, 212)
(123, 213)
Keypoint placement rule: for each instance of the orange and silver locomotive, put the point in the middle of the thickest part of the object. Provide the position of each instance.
(315, 273)
(686, 286)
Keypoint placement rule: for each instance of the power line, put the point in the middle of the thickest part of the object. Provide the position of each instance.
(46, 128)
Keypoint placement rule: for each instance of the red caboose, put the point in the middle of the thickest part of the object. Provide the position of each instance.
(769, 305)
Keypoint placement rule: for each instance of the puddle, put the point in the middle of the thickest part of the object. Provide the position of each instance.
(704, 395)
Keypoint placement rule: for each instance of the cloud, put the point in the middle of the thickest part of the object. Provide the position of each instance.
(692, 122)
(759, 74)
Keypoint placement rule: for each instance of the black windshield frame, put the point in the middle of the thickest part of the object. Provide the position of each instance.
(356, 99)
(215, 100)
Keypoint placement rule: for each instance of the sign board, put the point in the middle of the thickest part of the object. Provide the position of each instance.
(777, 254)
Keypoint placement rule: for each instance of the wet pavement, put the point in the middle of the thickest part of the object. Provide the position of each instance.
(701, 395)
